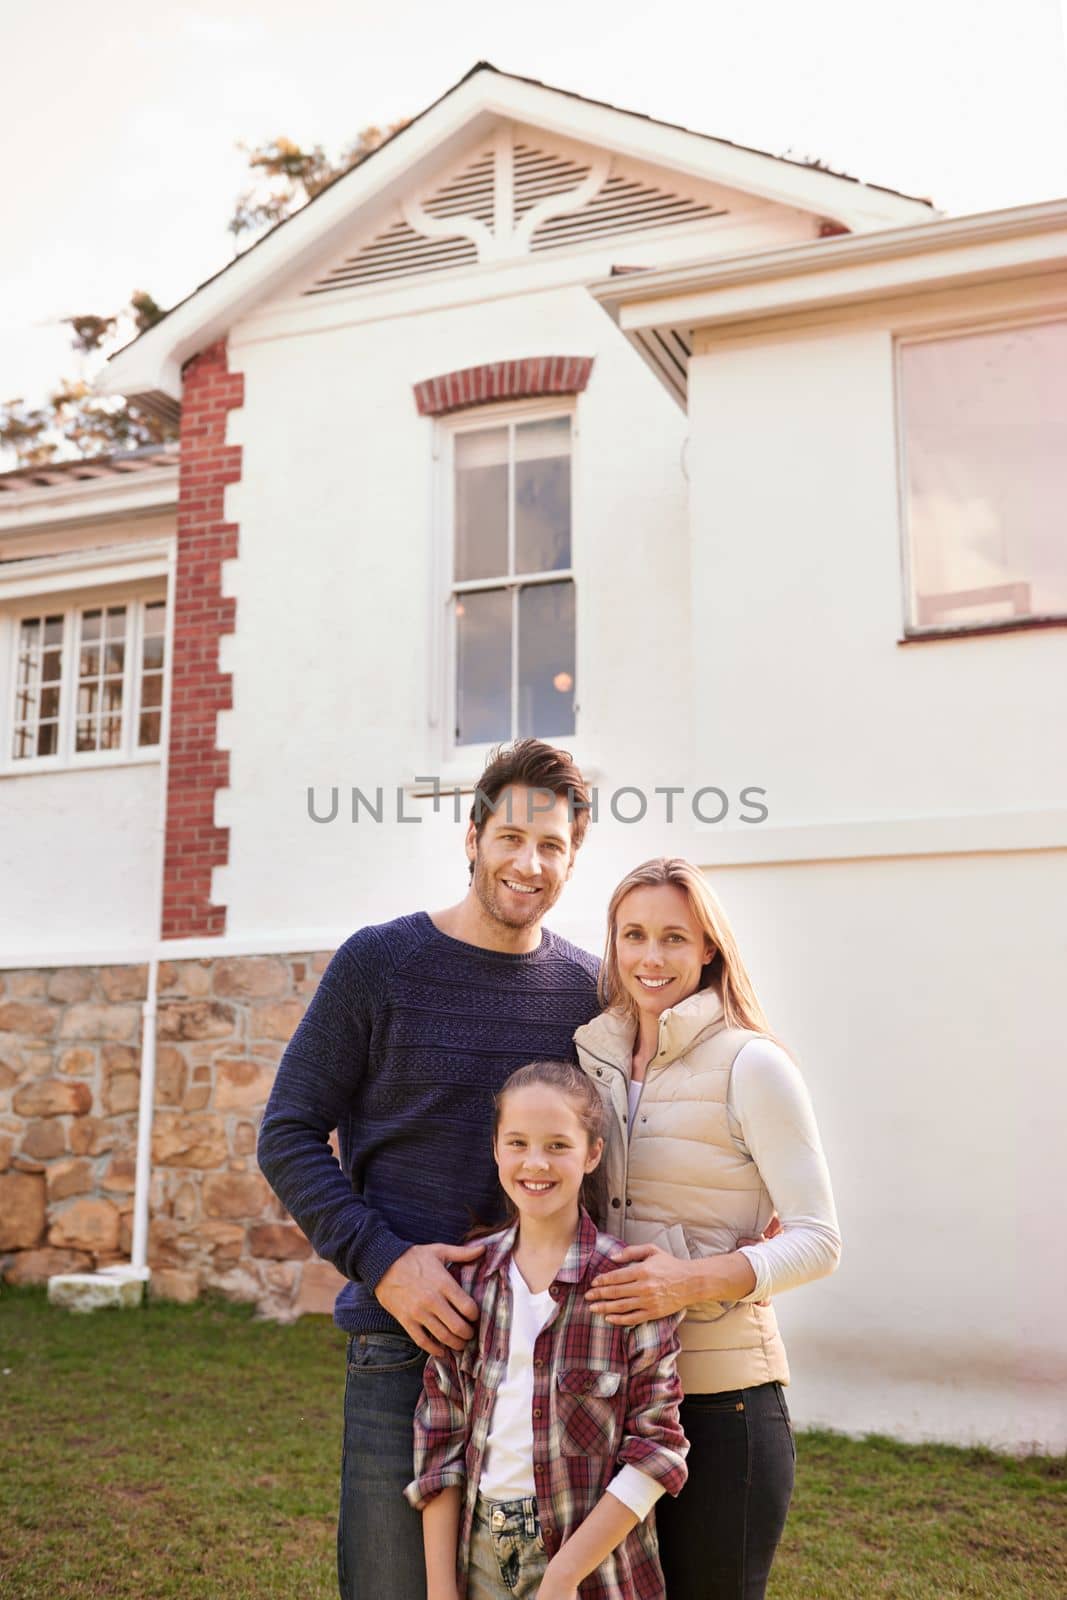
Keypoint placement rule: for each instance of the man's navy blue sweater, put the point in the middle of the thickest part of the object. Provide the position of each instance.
(407, 1039)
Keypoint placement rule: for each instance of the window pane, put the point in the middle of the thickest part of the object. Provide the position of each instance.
(155, 622)
(543, 495)
(985, 432)
(481, 504)
(110, 733)
(90, 625)
(112, 694)
(85, 737)
(116, 622)
(37, 668)
(89, 661)
(546, 659)
(483, 666)
(86, 699)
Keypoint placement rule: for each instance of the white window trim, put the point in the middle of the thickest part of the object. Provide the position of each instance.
(463, 763)
(134, 596)
(910, 628)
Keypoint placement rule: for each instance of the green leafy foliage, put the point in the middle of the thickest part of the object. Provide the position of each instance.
(72, 421)
(286, 176)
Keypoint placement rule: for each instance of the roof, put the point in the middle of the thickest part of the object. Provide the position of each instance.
(658, 311)
(150, 366)
(59, 474)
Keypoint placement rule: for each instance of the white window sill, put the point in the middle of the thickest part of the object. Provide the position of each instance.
(34, 766)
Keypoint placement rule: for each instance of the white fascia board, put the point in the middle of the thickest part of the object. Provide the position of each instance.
(857, 205)
(841, 270)
(86, 501)
(154, 361)
(75, 569)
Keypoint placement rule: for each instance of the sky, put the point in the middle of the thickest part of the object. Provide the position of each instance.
(121, 124)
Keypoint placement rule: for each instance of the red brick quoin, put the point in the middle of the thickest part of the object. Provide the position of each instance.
(199, 691)
(502, 380)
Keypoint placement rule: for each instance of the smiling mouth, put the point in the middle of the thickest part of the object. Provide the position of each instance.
(519, 888)
(654, 983)
(535, 1188)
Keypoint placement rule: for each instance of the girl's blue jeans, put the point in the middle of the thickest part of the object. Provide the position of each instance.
(507, 1560)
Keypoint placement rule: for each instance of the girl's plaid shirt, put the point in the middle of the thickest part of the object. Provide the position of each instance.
(603, 1396)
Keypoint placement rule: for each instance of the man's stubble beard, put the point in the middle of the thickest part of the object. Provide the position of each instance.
(485, 889)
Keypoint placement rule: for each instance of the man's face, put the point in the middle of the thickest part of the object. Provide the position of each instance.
(523, 857)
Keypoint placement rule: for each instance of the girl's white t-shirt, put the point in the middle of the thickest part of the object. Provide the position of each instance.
(507, 1466)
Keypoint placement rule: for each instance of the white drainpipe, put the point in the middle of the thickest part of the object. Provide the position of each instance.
(124, 1284)
(146, 1103)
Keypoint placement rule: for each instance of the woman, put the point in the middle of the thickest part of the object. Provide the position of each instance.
(711, 1136)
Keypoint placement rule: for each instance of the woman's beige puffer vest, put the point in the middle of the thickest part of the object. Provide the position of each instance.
(682, 1181)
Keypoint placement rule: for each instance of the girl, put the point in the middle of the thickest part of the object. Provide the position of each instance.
(541, 1448)
(711, 1132)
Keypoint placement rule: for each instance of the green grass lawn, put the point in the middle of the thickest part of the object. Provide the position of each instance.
(192, 1452)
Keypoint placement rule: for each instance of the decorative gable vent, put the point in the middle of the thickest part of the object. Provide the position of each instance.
(470, 194)
(539, 175)
(399, 252)
(623, 205)
(510, 200)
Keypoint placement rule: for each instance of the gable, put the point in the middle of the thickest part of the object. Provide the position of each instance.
(541, 206)
(521, 193)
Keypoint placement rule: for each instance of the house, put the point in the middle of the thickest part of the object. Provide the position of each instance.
(430, 496)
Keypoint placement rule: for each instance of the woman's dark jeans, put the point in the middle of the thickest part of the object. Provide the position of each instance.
(718, 1538)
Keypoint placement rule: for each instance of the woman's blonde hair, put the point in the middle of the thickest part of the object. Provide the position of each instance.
(725, 971)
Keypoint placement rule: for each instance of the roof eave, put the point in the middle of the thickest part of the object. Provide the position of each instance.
(659, 311)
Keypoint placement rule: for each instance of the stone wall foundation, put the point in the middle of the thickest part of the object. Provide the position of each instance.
(70, 1063)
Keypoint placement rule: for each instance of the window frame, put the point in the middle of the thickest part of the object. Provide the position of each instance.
(912, 631)
(452, 754)
(72, 604)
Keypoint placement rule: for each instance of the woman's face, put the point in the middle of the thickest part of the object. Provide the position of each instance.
(660, 947)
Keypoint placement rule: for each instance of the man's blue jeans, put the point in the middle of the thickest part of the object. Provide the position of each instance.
(379, 1536)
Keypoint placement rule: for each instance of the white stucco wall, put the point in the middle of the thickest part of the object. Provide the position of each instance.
(917, 995)
(898, 911)
(797, 580)
(79, 862)
(332, 658)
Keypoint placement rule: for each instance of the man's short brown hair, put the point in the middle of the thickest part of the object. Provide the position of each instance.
(534, 765)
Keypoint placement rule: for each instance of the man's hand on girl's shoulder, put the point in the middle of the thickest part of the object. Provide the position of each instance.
(420, 1292)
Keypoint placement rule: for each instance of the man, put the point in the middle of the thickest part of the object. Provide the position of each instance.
(414, 1027)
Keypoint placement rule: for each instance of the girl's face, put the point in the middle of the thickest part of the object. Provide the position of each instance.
(660, 947)
(543, 1152)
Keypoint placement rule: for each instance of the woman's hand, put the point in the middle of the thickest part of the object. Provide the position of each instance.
(648, 1283)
